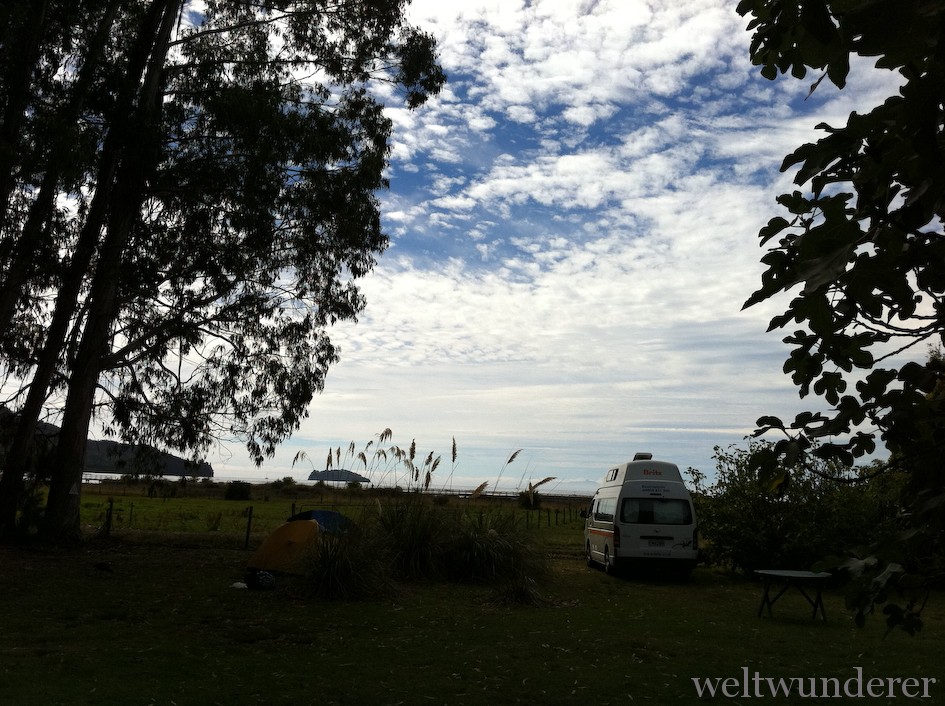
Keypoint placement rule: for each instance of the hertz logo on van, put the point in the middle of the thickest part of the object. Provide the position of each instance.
(650, 472)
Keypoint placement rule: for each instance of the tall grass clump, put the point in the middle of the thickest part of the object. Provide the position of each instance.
(529, 499)
(348, 566)
(490, 548)
(413, 532)
(424, 541)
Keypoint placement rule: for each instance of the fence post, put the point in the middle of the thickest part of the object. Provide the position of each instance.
(108, 518)
(249, 525)
(548, 515)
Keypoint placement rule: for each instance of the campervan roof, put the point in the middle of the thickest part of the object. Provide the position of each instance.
(643, 469)
(652, 470)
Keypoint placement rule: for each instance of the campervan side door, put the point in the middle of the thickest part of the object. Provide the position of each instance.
(599, 530)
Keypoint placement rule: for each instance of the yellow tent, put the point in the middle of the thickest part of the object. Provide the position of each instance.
(285, 549)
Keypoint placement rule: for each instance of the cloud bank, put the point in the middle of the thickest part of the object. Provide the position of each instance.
(573, 229)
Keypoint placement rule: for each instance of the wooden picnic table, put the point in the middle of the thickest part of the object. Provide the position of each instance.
(799, 580)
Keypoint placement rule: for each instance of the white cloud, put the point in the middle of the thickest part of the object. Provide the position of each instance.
(575, 223)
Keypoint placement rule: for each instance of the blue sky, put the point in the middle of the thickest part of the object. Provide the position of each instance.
(573, 228)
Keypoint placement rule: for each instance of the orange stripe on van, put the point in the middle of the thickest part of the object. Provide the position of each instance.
(602, 533)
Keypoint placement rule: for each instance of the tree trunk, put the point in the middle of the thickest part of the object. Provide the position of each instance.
(17, 461)
(139, 160)
(119, 138)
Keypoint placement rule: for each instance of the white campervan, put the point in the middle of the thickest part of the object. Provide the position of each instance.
(641, 514)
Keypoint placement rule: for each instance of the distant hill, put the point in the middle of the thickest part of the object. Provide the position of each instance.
(114, 457)
(106, 456)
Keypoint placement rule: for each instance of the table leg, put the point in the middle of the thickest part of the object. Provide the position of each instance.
(816, 603)
(819, 603)
(766, 600)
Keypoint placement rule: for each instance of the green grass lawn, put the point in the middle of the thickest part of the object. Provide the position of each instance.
(164, 625)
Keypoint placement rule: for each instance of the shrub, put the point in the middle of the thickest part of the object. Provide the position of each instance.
(747, 525)
(238, 490)
(160, 487)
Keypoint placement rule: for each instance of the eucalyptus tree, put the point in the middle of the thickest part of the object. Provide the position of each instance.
(241, 210)
(861, 248)
(84, 174)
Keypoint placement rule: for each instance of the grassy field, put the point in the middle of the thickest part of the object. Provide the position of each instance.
(203, 510)
(151, 616)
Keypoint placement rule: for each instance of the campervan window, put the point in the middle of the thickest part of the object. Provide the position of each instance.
(604, 512)
(656, 511)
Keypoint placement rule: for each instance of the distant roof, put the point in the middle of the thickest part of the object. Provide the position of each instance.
(338, 475)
